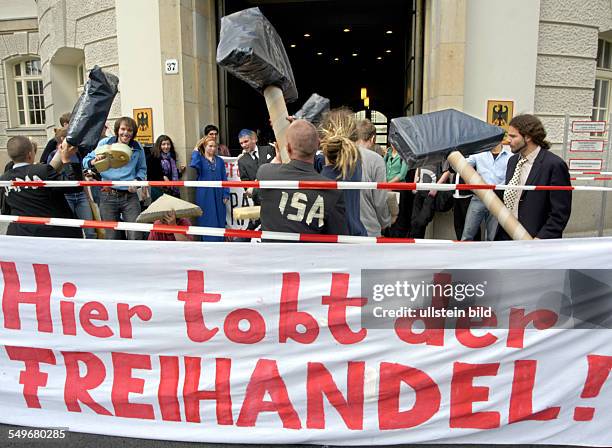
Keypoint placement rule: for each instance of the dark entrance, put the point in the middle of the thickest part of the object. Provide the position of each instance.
(336, 48)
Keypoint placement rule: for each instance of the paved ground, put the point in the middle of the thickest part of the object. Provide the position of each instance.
(79, 440)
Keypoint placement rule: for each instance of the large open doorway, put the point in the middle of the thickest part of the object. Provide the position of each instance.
(336, 48)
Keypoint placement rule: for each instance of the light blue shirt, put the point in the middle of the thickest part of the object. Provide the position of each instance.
(135, 169)
(492, 169)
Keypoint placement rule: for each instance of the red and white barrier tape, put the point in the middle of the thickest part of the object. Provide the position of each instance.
(295, 185)
(211, 231)
(591, 178)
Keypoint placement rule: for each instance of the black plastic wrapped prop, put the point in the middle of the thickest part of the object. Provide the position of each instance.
(430, 138)
(91, 110)
(313, 109)
(251, 49)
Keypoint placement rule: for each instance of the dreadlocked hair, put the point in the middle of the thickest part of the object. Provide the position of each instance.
(339, 133)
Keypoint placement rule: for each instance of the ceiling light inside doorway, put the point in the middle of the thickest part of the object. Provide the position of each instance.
(364, 93)
(366, 102)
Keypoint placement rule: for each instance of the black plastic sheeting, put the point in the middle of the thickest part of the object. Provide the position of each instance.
(429, 138)
(91, 110)
(251, 49)
(313, 109)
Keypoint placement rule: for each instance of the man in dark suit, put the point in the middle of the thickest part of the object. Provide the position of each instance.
(301, 211)
(252, 158)
(35, 201)
(544, 214)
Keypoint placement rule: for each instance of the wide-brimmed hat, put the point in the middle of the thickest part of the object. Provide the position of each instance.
(166, 204)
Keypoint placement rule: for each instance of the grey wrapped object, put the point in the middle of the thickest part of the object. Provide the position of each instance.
(430, 138)
(251, 49)
(313, 109)
(91, 110)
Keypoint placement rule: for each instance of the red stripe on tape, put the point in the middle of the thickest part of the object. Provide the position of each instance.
(164, 228)
(31, 183)
(317, 185)
(32, 220)
(475, 187)
(316, 238)
(99, 224)
(240, 183)
(163, 183)
(239, 233)
(96, 183)
(383, 240)
(396, 185)
(553, 188)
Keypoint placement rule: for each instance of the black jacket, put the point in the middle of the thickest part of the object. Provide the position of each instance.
(544, 214)
(300, 211)
(40, 202)
(248, 167)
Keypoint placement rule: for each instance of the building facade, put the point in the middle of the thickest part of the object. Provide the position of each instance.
(549, 57)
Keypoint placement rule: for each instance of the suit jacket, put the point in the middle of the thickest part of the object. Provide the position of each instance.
(544, 214)
(248, 167)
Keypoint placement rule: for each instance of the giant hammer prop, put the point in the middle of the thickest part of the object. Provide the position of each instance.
(450, 134)
(251, 49)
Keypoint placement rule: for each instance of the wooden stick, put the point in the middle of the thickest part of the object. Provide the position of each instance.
(504, 216)
(244, 213)
(278, 116)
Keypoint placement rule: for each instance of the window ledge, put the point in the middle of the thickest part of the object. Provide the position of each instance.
(36, 131)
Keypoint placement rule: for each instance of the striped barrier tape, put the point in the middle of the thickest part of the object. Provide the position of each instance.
(211, 231)
(295, 185)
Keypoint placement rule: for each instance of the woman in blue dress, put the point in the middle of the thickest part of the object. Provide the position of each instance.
(211, 200)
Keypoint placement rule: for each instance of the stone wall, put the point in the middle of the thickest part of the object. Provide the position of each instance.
(565, 80)
(17, 38)
(87, 25)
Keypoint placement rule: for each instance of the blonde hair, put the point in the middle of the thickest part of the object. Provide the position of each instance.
(339, 133)
(204, 142)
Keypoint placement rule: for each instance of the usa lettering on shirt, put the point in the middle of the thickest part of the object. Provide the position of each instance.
(8, 189)
(299, 206)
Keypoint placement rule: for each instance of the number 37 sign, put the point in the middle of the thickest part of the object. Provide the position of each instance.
(172, 66)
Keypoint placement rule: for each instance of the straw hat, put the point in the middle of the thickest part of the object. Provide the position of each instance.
(166, 204)
(116, 156)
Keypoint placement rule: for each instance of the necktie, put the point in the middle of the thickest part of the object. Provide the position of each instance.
(511, 196)
(255, 158)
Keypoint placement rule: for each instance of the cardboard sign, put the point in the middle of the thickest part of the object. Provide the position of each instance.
(144, 120)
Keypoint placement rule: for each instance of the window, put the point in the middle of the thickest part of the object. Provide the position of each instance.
(81, 74)
(604, 54)
(603, 82)
(30, 101)
(379, 120)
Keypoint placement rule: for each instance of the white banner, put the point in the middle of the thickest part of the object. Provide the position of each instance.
(242, 343)
(237, 197)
